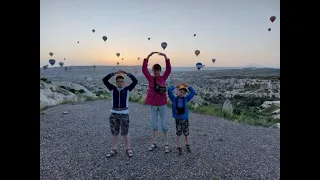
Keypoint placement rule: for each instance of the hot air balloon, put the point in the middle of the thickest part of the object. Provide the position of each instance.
(118, 63)
(164, 45)
(52, 61)
(51, 54)
(78, 42)
(148, 38)
(194, 35)
(197, 52)
(138, 58)
(45, 67)
(272, 18)
(93, 30)
(64, 58)
(269, 29)
(122, 58)
(213, 60)
(94, 66)
(104, 38)
(118, 54)
(199, 66)
(61, 64)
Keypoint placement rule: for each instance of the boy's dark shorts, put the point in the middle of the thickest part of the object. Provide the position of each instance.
(117, 121)
(182, 126)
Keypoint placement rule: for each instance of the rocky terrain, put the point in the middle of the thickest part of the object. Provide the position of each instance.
(257, 88)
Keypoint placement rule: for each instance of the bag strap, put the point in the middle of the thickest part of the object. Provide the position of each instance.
(154, 82)
(177, 102)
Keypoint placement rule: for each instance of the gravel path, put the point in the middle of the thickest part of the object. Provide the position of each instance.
(74, 145)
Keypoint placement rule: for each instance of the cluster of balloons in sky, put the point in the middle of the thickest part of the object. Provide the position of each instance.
(164, 45)
(272, 19)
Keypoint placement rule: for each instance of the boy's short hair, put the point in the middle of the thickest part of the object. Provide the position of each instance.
(185, 89)
(119, 77)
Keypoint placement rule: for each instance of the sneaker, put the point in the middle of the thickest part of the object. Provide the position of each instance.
(188, 147)
(179, 149)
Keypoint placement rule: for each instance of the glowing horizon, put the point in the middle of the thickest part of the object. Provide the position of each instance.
(233, 32)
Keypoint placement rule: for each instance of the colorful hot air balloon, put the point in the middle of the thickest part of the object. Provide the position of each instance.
(213, 60)
(272, 18)
(269, 29)
(93, 30)
(51, 54)
(104, 38)
(164, 45)
(64, 58)
(148, 38)
(138, 58)
(118, 54)
(61, 64)
(78, 42)
(197, 52)
(122, 58)
(52, 61)
(194, 35)
(199, 66)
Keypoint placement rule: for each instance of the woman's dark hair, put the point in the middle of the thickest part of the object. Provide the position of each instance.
(156, 67)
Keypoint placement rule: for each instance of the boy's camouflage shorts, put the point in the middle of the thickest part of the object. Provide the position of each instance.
(118, 121)
(182, 126)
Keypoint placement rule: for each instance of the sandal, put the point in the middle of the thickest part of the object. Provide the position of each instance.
(166, 149)
(179, 149)
(112, 153)
(129, 152)
(152, 147)
(188, 147)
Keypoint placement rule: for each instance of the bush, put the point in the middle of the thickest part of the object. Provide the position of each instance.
(237, 111)
(45, 80)
(90, 98)
(134, 99)
(98, 93)
(73, 91)
(63, 87)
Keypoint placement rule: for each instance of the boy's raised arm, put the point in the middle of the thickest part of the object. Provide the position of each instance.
(134, 81)
(106, 82)
(170, 93)
(191, 94)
